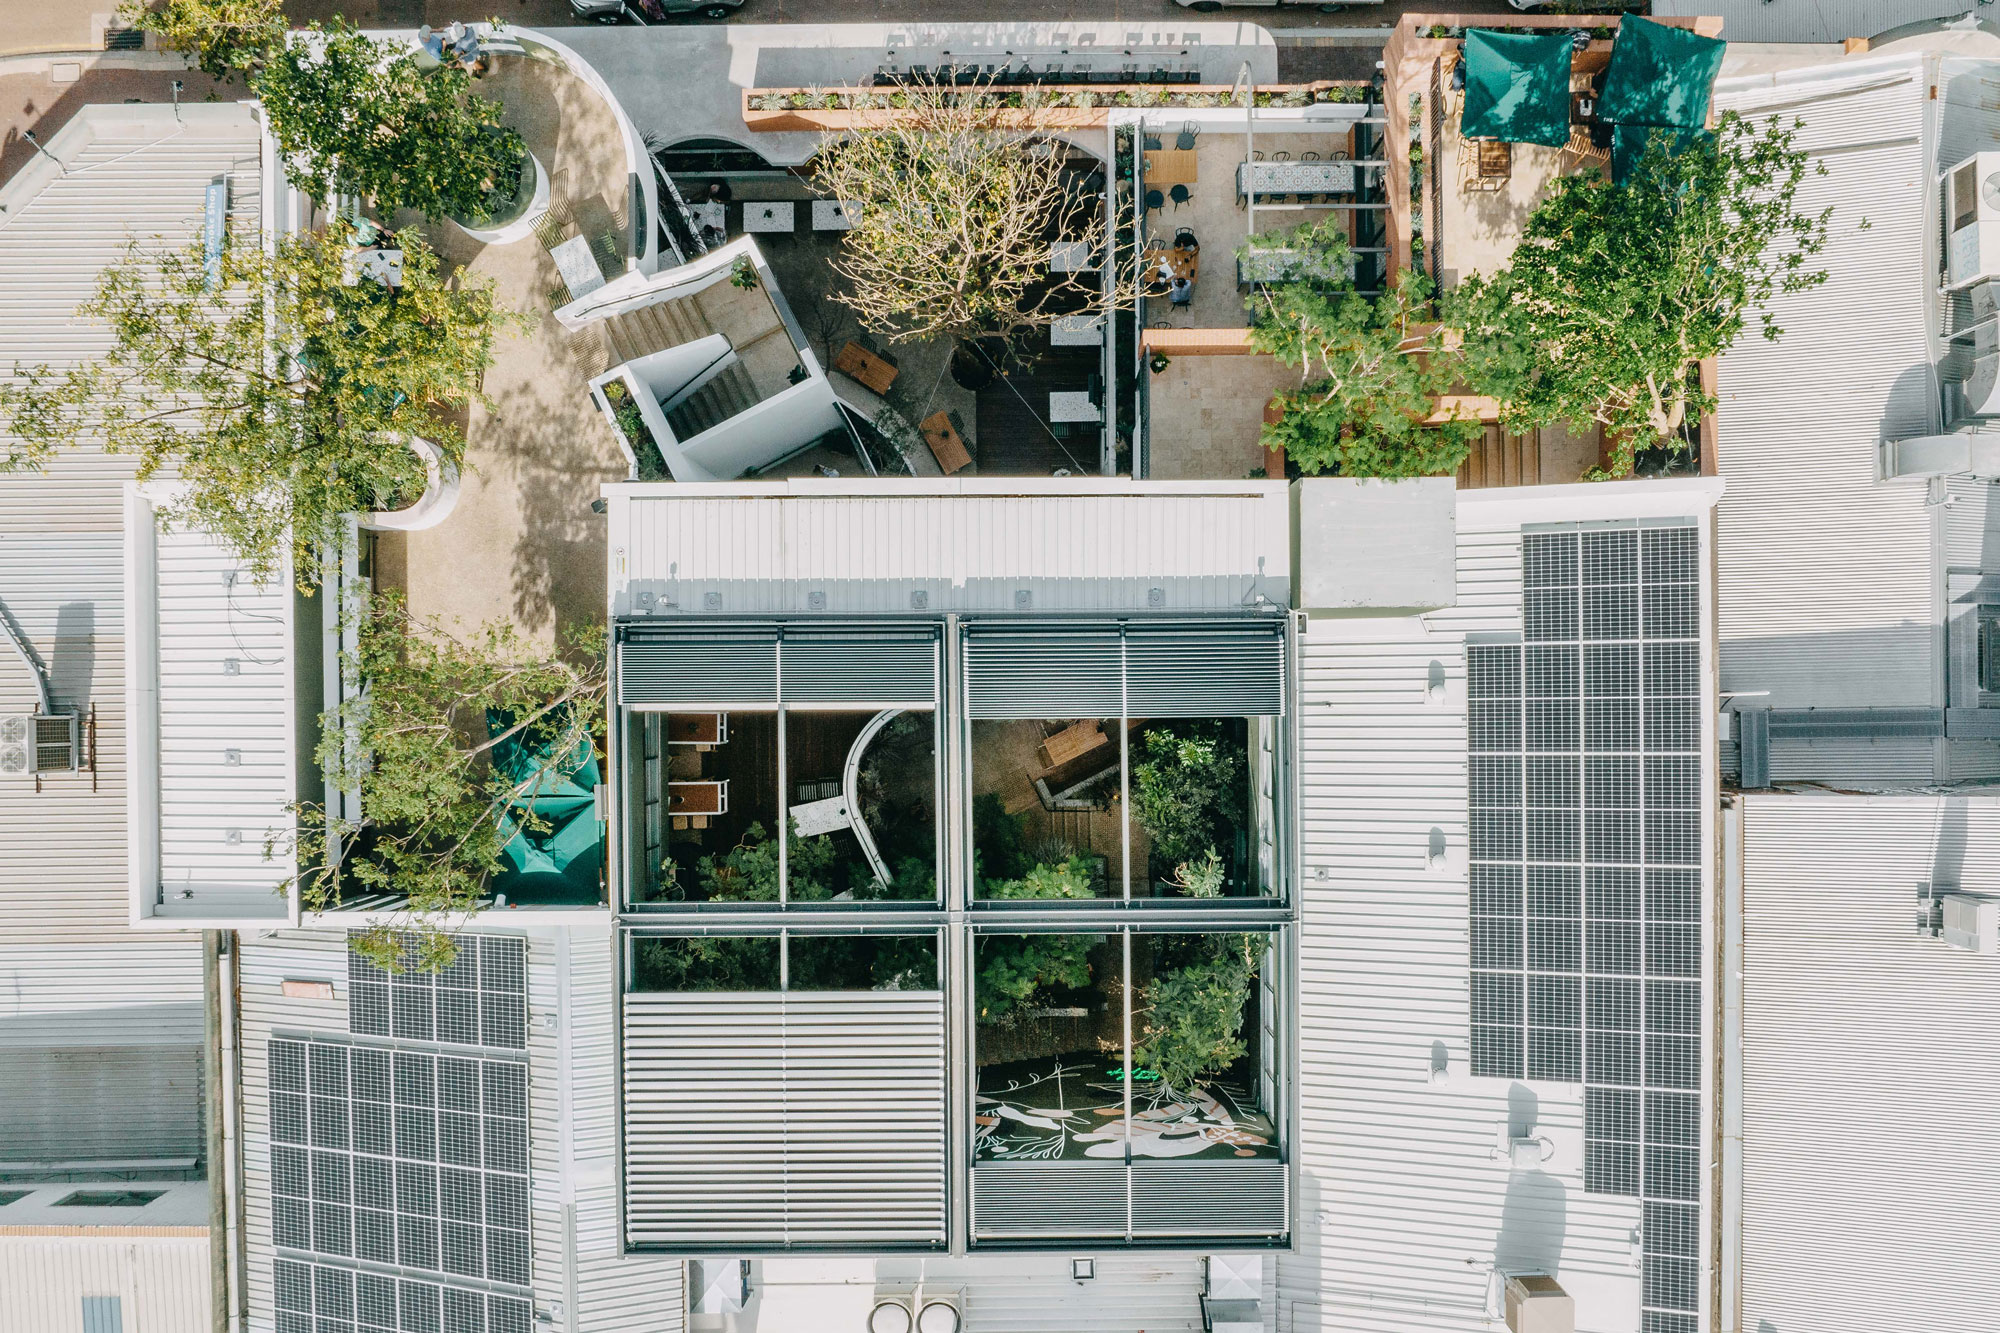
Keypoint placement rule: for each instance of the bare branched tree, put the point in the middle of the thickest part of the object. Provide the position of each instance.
(956, 217)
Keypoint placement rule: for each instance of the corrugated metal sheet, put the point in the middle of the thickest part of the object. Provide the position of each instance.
(225, 730)
(101, 1104)
(161, 1282)
(1972, 525)
(132, 173)
(965, 549)
(1808, 20)
(1828, 585)
(1871, 1174)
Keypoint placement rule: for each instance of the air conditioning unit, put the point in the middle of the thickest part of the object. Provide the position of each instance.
(1972, 208)
(1972, 922)
(1536, 1303)
(32, 743)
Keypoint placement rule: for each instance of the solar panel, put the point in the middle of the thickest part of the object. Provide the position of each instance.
(316, 1297)
(480, 999)
(1584, 784)
(434, 1175)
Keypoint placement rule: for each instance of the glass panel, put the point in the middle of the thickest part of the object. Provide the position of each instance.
(1046, 812)
(882, 843)
(1204, 808)
(1049, 1047)
(705, 963)
(862, 962)
(704, 806)
(1205, 1046)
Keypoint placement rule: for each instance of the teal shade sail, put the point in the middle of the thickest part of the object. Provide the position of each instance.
(1516, 87)
(1628, 145)
(557, 863)
(1659, 75)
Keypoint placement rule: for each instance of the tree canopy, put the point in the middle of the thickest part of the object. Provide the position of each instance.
(357, 116)
(225, 37)
(269, 385)
(1369, 370)
(1615, 292)
(955, 219)
(414, 746)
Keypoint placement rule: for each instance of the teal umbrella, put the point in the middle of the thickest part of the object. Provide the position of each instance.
(1659, 75)
(1516, 87)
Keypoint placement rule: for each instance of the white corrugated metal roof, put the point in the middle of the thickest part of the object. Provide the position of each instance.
(1828, 579)
(1871, 1170)
(1070, 545)
(209, 752)
(1809, 20)
(1404, 1211)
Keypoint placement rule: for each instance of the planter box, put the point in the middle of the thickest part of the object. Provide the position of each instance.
(1023, 118)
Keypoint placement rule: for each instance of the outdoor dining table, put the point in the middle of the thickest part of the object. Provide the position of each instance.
(710, 215)
(577, 265)
(779, 217)
(1294, 178)
(1167, 167)
(1072, 405)
(1255, 266)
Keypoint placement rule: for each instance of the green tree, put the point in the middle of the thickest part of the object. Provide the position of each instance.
(353, 115)
(1615, 292)
(705, 963)
(268, 386)
(1191, 1018)
(1187, 789)
(951, 237)
(748, 872)
(1014, 969)
(413, 745)
(1370, 371)
(225, 37)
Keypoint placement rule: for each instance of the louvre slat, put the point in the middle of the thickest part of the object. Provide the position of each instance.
(698, 669)
(765, 1120)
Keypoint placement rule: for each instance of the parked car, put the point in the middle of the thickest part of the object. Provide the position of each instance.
(651, 11)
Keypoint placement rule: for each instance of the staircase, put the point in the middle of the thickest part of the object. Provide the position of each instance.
(1500, 459)
(714, 403)
(653, 328)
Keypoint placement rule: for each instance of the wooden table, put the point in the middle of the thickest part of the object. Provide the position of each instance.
(1168, 167)
(704, 729)
(1073, 741)
(706, 797)
(946, 446)
(1180, 262)
(864, 367)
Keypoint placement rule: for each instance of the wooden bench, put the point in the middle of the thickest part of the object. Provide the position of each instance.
(946, 446)
(865, 368)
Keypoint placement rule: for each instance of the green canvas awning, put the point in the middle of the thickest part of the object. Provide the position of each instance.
(1516, 87)
(1628, 145)
(1659, 75)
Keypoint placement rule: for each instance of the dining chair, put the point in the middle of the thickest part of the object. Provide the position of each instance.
(1308, 157)
(1154, 200)
(1179, 194)
(1281, 156)
(1189, 133)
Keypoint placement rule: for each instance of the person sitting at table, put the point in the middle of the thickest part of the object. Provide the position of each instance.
(1181, 290)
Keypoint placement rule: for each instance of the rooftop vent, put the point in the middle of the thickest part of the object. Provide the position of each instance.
(1972, 922)
(1536, 1303)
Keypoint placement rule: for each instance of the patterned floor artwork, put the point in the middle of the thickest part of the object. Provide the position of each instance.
(1072, 1106)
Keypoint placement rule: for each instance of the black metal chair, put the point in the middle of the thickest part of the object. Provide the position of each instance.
(1152, 144)
(1184, 239)
(1155, 200)
(1179, 194)
(1186, 138)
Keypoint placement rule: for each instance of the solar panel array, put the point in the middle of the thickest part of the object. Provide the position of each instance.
(480, 1000)
(411, 1158)
(324, 1298)
(1584, 784)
